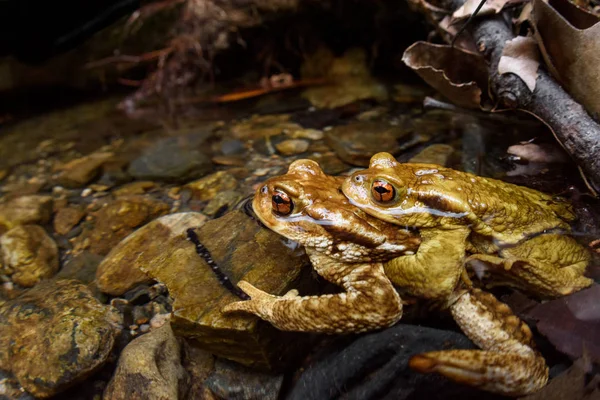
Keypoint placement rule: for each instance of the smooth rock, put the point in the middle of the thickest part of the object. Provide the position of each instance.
(261, 126)
(292, 146)
(357, 142)
(233, 381)
(311, 134)
(173, 159)
(231, 161)
(121, 270)
(55, 335)
(31, 209)
(149, 368)
(330, 163)
(29, 255)
(78, 172)
(222, 202)
(206, 188)
(133, 188)
(119, 218)
(66, 218)
(243, 250)
(375, 366)
(82, 267)
(435, 154)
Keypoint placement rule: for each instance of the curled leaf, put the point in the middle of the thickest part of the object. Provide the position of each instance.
(459, 75)
(569, 39)
(520, 56)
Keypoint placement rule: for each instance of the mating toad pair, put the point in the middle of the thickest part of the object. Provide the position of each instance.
(415, 229)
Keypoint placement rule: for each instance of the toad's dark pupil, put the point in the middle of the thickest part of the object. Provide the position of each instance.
(382, 190)
(282, 205)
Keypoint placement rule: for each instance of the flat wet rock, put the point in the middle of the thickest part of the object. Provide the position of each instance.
(55, 335)
(122, 269)
(66, 218)
(208, 187)
(117, 219)
(375, 366)
(173, 159)
(356, 142)
(244, 250)
(80, 171)
(149, 368)
(28, 254)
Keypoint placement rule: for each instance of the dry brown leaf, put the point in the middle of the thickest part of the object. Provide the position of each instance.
(459, 75)
(569, 39)
(490, 7)
(464, 41)
(538, 153)
(525, 14)
(520, 56)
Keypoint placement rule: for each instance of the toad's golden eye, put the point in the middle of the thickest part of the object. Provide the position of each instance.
(281, 204)
(382, 191)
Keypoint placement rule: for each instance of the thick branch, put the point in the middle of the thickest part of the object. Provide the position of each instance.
(573, 127)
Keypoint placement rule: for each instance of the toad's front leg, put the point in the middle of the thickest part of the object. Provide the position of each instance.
(508, 363)
(368, 302)
(434, 271)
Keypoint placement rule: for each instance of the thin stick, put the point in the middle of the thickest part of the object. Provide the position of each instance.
(462, 28)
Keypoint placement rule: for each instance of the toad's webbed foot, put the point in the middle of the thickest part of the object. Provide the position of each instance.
(369, 302)
(508, 363)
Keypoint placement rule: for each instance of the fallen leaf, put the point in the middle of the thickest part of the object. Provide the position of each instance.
(520, 56)
(450, 29)
(572, 323)
(573, 384)
(490, 7)
(459, 75)
(569, 40)
(541, 153)
(525, 14)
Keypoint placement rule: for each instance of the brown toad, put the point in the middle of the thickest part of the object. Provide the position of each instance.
(350, 249)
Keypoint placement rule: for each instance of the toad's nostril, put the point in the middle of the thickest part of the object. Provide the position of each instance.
(358, 178)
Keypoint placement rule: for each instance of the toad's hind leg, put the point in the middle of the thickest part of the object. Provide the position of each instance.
(434, 271)
(508, 363)
(546, 266)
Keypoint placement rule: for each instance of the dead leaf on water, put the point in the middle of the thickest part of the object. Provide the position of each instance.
(521, 57)
(459, 75)
(569, 40)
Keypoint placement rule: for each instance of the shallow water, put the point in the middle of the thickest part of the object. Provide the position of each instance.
(161, 159)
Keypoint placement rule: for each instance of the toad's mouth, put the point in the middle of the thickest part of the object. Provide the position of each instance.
(246, 206)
